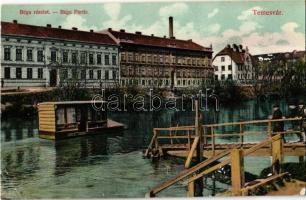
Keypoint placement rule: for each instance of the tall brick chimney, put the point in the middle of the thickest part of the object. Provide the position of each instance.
(171, 27)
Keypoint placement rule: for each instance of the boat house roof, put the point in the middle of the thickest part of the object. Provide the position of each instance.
(70, 102)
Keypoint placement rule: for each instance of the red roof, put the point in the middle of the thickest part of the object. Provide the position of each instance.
(237, 56)
(16, 29)
(150, 40)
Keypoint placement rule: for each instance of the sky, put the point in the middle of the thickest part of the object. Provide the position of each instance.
(215, 23)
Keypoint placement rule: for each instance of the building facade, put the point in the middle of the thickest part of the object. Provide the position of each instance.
(234, 63)
(275, 66)
(150, 61)
(36, 56)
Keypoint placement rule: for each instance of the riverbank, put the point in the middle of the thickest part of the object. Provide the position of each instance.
(24, 100)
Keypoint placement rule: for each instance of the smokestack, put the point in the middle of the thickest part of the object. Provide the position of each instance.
(170, 27)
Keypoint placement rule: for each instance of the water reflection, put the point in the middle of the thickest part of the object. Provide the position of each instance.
(87, 150)
(18, 129)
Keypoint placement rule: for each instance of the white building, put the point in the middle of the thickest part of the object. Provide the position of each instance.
(233, 63)
(36, 56)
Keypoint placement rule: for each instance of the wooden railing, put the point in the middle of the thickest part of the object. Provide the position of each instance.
(210, 133)
(234, 157)
(171, 135)
(268, 122)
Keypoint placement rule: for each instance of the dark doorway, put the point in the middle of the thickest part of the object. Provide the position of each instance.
(53, 77)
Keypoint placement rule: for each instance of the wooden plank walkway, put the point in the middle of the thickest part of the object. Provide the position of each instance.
(181, 150)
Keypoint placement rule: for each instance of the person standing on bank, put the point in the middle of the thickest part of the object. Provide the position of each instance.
(293, 113)
(302, 114)
(279, 125)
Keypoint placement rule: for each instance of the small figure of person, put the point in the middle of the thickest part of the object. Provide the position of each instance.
(2, 82)
(302, 114)
(278, 127)
(293, 113)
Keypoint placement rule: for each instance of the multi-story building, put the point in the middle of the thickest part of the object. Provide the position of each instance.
(150, 61)
(275, 66)
(234, 63)
(46, 56)
(281, 57)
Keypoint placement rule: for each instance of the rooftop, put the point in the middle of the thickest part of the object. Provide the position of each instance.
(138, 38)
(16, 29)
(236, 53)
(280, 56)
(71, 102)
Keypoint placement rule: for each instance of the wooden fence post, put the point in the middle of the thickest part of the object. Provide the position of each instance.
(189, 142)
(213, 140)
(198, 131)
(270, 129)
(241, 135)
(155, 139)
(171, 141)
(191, 192)
(237, 171)
(276, 154)
(198, 184)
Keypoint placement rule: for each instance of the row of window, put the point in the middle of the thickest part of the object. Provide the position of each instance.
(229, 77)
(188, 82)
(148, 71)
(64, 73)
(29, 72)
(229, 68)
(146, 82)
(244, 67)
(130, 57)
(164, 82)
(84, 57)
(65, 44)
(92, 74)
(248, 59)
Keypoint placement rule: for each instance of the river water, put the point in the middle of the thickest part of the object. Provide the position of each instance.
(109, 166)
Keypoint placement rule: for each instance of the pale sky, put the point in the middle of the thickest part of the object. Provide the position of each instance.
(217, 23)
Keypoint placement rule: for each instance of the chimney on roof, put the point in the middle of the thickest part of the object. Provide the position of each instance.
(15, 21)
(49, 25)
(59, 26)
(74, 28)
(122, 30)
(170, 27)
(235, 47)
(91, 30)
(164, 36)
(109, 29)
(152, 35)
(138, 32)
